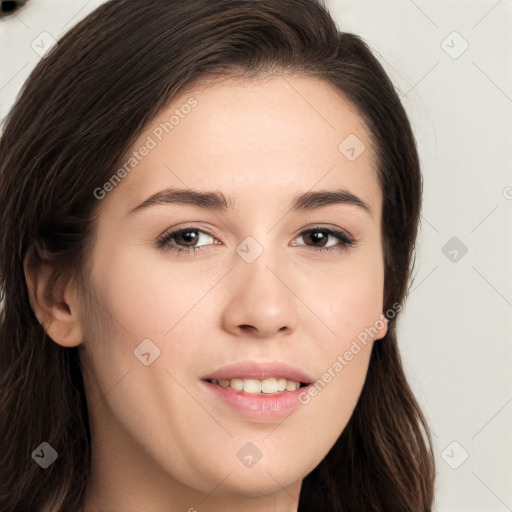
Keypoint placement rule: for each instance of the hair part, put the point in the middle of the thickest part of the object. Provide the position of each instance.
(74, 122)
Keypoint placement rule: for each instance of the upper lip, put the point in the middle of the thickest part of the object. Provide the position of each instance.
(262, 370)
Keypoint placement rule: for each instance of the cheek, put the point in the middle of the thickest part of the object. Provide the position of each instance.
(348, 297)
(350, 304)
(148, 296)
(329, 403)
(144, 299)
(355, 310)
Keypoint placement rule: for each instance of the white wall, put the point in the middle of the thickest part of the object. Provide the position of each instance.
(456, 331)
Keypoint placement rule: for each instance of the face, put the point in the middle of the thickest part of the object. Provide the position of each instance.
(264, 283)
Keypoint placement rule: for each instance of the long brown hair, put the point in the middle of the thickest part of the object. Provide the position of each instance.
(78, 114)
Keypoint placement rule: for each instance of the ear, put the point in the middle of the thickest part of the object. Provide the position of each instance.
(382, 325)
(54, 304)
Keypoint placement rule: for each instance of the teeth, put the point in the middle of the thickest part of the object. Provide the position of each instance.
(256, 386)
(269, 386)
(237, 384)
(252, 386)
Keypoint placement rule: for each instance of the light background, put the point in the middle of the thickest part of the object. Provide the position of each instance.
(455, 333)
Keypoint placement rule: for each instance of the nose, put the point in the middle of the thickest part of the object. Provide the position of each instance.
(261, 303)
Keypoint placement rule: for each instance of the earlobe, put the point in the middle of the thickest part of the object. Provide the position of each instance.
(382, 326)
(54, 304)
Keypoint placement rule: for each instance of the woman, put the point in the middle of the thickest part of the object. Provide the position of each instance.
(208, 223)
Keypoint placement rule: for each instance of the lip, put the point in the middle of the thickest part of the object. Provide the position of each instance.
(261, 408)
(255, 370)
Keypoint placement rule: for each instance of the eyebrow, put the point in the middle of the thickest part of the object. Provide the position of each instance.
(216, 200)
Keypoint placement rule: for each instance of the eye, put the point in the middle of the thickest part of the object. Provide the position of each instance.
(184, 240)
(321, 235)
(188, 236)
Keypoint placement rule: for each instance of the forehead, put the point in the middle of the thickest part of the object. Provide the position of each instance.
(276, 133)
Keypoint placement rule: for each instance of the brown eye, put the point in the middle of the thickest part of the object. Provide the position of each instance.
(188, 237)
(317, 237)
(321, 237)
(183, 240)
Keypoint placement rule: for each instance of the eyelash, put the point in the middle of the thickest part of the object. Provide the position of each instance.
(163, 241)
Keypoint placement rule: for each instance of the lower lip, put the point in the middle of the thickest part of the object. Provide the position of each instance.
(259, 407)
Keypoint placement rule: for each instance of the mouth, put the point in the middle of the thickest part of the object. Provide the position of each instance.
(259, 392)
(269, 386)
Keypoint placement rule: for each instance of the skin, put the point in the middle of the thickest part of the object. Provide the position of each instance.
(160, 441)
